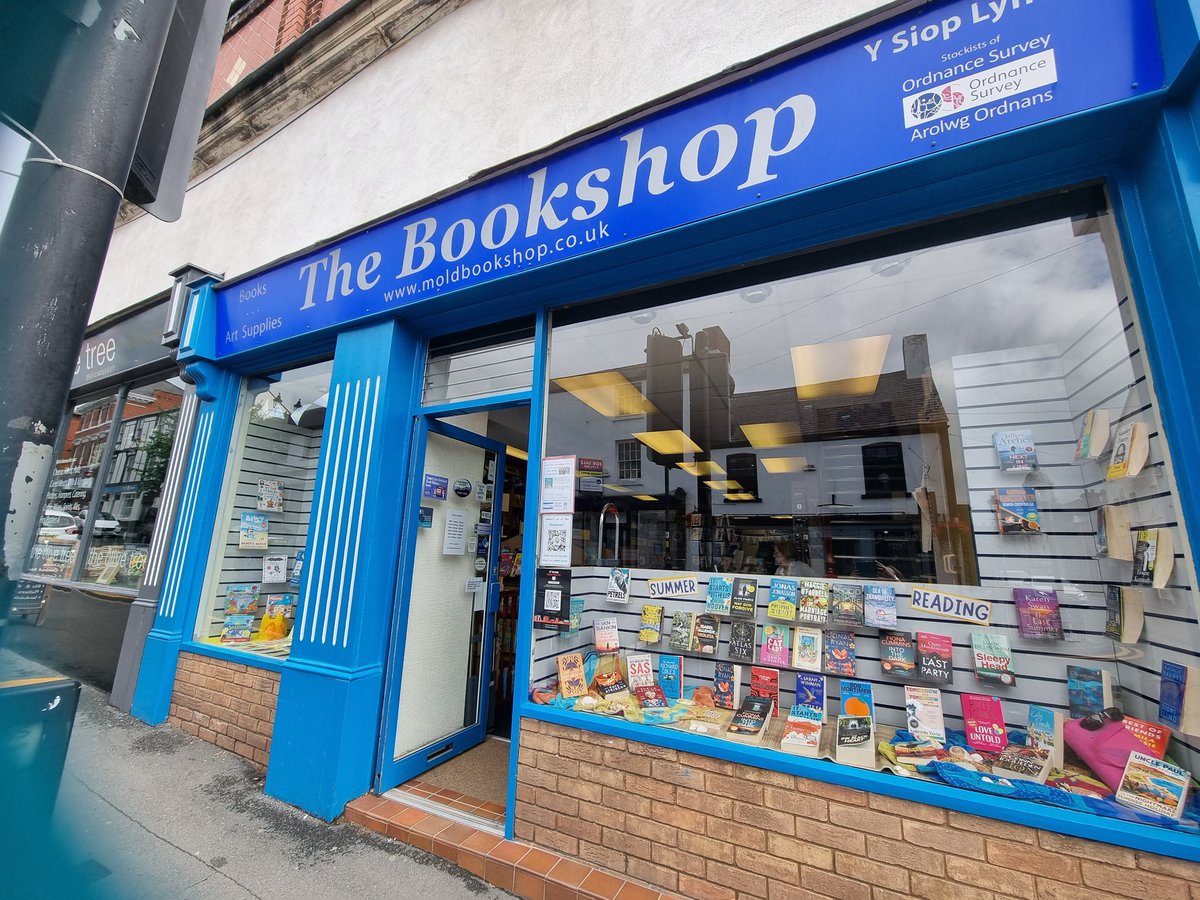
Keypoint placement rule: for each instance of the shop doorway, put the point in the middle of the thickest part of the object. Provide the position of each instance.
(450, 700)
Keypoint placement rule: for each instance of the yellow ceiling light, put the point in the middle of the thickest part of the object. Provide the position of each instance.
(743, 495)
(609, 393)
(513, 451)
(644, 497)
(772, 434)
(668, 443)
(839, 369)
(619, 488)
(780, 465)
(701, 468)
(724, 485)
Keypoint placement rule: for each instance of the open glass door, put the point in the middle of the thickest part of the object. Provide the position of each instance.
(438, 694)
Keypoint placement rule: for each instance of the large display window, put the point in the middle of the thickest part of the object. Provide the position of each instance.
(904, 505)
(260, 544)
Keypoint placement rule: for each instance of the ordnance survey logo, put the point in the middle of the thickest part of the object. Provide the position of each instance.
(981, 88)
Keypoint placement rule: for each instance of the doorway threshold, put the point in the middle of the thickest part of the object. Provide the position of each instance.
(455, 806)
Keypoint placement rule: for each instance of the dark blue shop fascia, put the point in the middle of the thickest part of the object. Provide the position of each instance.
(1122, 112)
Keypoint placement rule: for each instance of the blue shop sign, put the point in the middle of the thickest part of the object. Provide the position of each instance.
(952, 74)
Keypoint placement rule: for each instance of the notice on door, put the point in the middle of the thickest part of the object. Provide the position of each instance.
(558, 484)
(454, 543)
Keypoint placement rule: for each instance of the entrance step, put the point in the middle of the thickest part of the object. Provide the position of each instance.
(528, 872)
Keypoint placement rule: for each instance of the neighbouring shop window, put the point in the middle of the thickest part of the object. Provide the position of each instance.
(262, 531)
(909, 508)
(121, 497)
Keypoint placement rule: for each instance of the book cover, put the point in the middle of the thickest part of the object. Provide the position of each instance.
(608, 638)
(270, 496)
(639, 670)
(814, 602)
(984, 719)
(1017, 511)
(1131, 449)
(682, 625)
(1038, 617)
(1154, 785)
(782, 603)
(575, 619)
(1124, 613)
(1155, 737)
(857, 698)
(1094, 436)
(764, 682)
(651, 628)
(670, 676)
(571, 680)
(610, 684)
(840, 658)
(297, 568)
(1153, 557)
(806, 649)
(711, 720)
(1016, 450)
(992, 658)
(1179, 697)
(935, 657)
(1046, 732)
(1113, 538)
(236, 629)
(1088, 691)
(743, 603)
(750, 722)
(810, 690)
(879, 606)
(776, 647)
(241, 600)
(618, 585)
(897, 654)
(253, 530)
(274, 569)
(802, 731)
(846, 604)
(741, 640)
(552, 599)
(1022, 763)
(280, 605)
(706, 633)
(727, 684)
(856, 741)
(720, 595)
(923, 713)
(651, 696)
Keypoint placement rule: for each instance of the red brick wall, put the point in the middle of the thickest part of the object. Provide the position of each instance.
(227, 704)
(706, 828)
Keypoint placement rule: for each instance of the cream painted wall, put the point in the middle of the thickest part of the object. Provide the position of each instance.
(490, 82)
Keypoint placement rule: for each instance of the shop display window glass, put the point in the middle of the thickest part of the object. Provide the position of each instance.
(260, 542)
(915, 492)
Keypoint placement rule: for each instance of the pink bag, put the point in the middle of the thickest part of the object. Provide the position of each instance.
(1105, 749)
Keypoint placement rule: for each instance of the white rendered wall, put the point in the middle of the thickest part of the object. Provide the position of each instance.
(492, 81)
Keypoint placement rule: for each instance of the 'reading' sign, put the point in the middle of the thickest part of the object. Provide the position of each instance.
(947, 75)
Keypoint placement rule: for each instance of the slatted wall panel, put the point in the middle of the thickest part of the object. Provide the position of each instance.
(274, 451)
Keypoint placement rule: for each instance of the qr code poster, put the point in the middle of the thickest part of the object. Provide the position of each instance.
(554, 546)
(551, 603)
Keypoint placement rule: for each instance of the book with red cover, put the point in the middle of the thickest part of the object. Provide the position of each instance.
(764, 682)
(651, 696)
(984, 718)
(1154, 736)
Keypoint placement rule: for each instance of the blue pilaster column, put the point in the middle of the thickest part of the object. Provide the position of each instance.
(328, 715)
(217, 391)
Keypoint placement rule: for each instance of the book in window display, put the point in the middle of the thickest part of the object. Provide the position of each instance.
(782, 602)
(935, 657)
(710, 720)
(651, 627)
(277, 617)
(879, 606)
(274, 569)
(810, 690)
(607, 636)
(897, 654)
(1131, 449)
(236, 629)
(682, 625)
(776, 645)
(575, 621)
(720, 595)
(1113, 537)
(1016, 450)
(1153, 557)
(270, 496)
(1038, 616)
(651, 696)
(857, 698)
(706, 633)
(727, 684)
(764, 682)
(814, 602)
(571, 681)
(241, 599)
(802, 731)
(846, 604)
(840, 656)
(744, 602)
(992, 658)
(741, 640)
(1094, 436)
(1124, 613)
(1022, 763)
(1089, 691)
(1046, 733)
(983, 717)
(639, 670)
(618, 585)
(806, 649)
(1155, 737)
(670, 676)
(1017, 511)
(749, 723)
(1154, 786)
(856, 741)
(1179, 697)
(923, 712)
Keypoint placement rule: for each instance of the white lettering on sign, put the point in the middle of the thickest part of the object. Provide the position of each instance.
(673, 587)
(951, 606)
(96, 355)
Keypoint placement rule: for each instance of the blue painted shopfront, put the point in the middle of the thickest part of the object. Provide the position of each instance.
(838, 143)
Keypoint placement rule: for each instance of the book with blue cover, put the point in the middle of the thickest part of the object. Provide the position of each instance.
(1016, 450)
(810, 690)
(1017, 511)
(720, 594)
(840, 657)
(670, 676)
(858, 698)
(879, 606)
(782, 602)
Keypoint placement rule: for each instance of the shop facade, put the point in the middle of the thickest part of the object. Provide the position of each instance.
(890, 328)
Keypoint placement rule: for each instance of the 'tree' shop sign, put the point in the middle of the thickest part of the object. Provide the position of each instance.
(954, 73)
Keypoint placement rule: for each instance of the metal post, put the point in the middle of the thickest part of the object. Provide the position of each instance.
(56, 235)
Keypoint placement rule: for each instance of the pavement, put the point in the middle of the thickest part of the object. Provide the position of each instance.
(154, 812)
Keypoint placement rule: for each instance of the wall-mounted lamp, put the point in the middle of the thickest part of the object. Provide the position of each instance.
(644, 316)
(756, 294)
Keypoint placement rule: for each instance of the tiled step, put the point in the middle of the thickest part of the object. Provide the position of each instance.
(528, 872)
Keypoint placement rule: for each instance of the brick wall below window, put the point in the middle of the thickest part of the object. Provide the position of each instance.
(706, 828)
(227, 704)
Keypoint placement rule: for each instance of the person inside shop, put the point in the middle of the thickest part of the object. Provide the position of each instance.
(787, 559)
